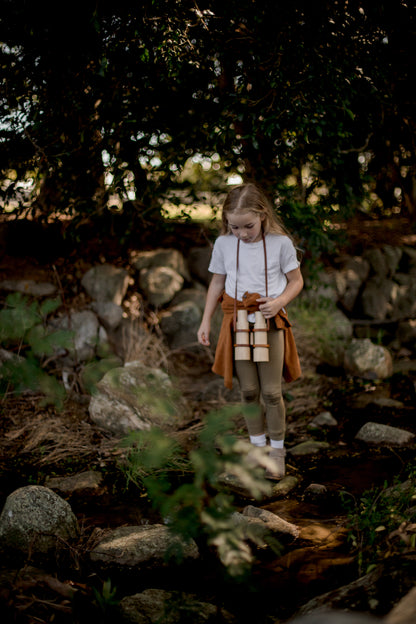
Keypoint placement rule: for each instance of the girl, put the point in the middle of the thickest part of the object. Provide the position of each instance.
(255, 267)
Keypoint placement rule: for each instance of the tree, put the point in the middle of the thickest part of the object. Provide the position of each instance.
(310, 99)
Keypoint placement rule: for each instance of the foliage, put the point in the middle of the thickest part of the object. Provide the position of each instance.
(380, 523)
(199, 507)
(30, 346)
(323, 329)
(312, 100)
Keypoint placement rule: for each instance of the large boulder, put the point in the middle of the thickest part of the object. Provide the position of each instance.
(135, 397)
(36, 521)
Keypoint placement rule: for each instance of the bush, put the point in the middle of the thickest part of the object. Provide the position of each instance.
(30, 348)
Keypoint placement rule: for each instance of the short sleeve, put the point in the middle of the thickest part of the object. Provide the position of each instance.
(217, 263)
(288, 256)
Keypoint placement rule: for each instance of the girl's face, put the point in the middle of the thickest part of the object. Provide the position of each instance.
(246, 226)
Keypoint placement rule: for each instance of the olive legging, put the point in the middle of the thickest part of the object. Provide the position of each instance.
(261, 383)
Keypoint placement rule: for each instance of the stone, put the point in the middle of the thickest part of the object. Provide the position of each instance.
(378, 297)
(109, 313)
(198, 262)
(283, 487)
(154, 606)
(349, 280)
(166, 258)
(87, 482)
(135, 397)
(87, 335)
(180, 325)
(404, 612)
(273, 522)
(377, 433)
(35, 520)
(309, 447)
(160, 284)
(142, 548)
(323, 419)
(106, 282)
(365, 359)
(29, 287)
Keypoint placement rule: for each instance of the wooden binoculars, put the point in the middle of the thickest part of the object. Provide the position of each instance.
(251, 339)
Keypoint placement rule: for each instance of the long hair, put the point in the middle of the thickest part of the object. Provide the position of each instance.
(250, 198)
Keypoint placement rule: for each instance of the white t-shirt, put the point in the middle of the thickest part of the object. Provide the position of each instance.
(281, 258)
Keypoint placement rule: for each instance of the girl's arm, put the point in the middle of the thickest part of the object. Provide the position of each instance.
(270, 307)
(215, 289)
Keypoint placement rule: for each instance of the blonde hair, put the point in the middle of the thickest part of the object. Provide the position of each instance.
(250, 198)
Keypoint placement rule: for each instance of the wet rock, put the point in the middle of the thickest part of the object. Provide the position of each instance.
(284, 486)
(336, 617)
(106, 282)
(367, 360)
(310, 447)
(160, 284)
(377, 433)
(35, 520)
(29, 287)
(376, 592)
(271, 521)
(154, 606)
(142, 547)
(315, 492)
(134, 398)
(404, 612)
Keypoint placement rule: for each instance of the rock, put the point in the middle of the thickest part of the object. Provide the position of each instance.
(310, 447)
(105, 282)
(406, 332)
(198, 262)
(154, 606)
(322, 420)
(94, 371)
(36, 521)
(404, 612)
(283, 487)
(336, 617)
(134, 398)
(376, 433)
(88, 335)
(315, 492)
(367, 360)
(29, 287)
(83, 483)
(349, 280)
(378, 297)
(180, 325)
(160, 284)
(142, 548)
(109, 313)
(271, 521)
(377, 591)
(166, 258)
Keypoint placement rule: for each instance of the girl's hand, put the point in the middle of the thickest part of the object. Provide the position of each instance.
(203, 334)
(269, 307)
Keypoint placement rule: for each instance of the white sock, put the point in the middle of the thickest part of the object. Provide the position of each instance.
(259, 440)
(277, 443)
